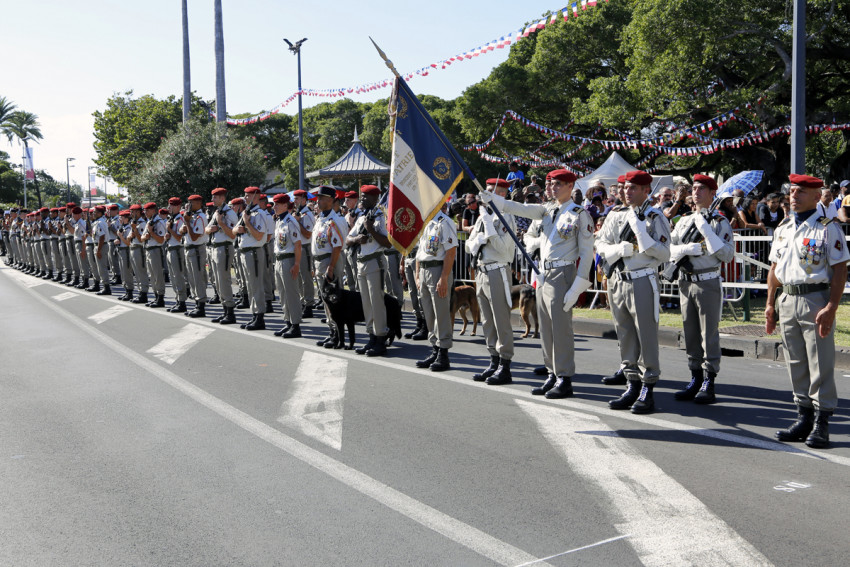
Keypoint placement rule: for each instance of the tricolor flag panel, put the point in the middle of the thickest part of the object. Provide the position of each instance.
(29, 168)
(425, 169)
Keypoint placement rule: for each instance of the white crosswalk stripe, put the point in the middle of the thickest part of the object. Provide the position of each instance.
(666, 524)
(66, 295)
(315, 405)
(108, 314)
(171, 348)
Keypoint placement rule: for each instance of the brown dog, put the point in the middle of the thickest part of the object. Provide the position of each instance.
(525, 297)
(463, 299)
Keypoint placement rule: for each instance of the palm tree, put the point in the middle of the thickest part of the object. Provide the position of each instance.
(220, 106)
(187, 82)
(24, 126)
(6, 109)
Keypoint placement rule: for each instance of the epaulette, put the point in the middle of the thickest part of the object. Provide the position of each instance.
(784, 221)
(576, 208)
(652, 214)
(825, 221)
(618, 208)
(687, 214)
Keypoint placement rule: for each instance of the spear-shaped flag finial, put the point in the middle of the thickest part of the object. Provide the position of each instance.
(384, 57)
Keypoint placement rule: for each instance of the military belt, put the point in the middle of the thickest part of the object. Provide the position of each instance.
(175, 247)
(489, 267)
(284, 256)
(701, 275)
(549, 265)
(803, 289)
(373, 256)
(391, 252)
(220, 244)
(320, 257)
(635, 274)
(191, 246)
(431, 263)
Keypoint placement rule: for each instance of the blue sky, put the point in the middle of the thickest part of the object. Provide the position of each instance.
(62, 60)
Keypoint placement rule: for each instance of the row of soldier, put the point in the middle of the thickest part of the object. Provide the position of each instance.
(634, 242)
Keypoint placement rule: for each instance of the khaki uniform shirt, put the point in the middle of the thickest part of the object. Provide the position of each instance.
(806, 253)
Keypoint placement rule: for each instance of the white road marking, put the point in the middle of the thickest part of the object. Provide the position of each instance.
(431, 518)
(667, 525)
(582, 548)
(315, 406)
(66, 295)
(171, 348)
(25, 280)
(108, 314)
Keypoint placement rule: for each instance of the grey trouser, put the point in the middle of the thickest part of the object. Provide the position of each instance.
(810, 358)
(287, 287)
(634, 305)
(196, 271)
(240, 272)
(701, 305)
(370, 282)
(393, 277)
(156, 270)
(177, 271)
(495, 312)
(351, 268)
(72, 262)
(410, 274)
(13, 247)
(437, 310)
(305, 276)
(321, 267)
(80, 248)
(102, 264)
(253, 263)
(556, 326)
(140, 269)
(44, 254)
(58, 260)
(220, 259)
(113, 258)
(126, 267)
(93, 267)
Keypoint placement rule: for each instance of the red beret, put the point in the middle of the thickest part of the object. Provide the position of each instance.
(44, 210)
(63, 209)
(150, 205)
(124, 214)
(100, 209)
(252, 190)
(563, 175)
(219, 191)
(300, 193)
(113, 207)
(351, 195)
(211, 204)
(174, 201)
(54, 210)
(339, 195)
(281, 198)
(495, 182)
(369, 190)
(195, 198)
(77, 211)
(638, 177)
(135, 207)
(238, 201)
(163, 211)
(621, 179)
(806, 181)
(71, 204)
(706, 180)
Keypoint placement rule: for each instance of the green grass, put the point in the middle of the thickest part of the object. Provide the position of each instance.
(673, 318)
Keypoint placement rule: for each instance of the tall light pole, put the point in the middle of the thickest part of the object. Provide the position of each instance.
(296, 49)
(88, 178)
(68, 167)
(798, 89)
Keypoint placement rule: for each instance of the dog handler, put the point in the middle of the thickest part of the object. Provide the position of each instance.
(566, 255)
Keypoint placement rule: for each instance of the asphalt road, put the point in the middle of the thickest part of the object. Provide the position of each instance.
(132, 436)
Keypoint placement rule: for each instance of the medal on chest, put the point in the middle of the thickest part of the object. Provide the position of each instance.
(810, 254)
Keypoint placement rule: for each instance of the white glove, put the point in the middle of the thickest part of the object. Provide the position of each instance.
(532, 243)
(486, 197)
(626, 250)
(487, 222)
(474, 244)
(679, 251)
(579, 286)
(644, 240)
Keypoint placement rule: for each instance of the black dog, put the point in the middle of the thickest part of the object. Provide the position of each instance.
(346, 309)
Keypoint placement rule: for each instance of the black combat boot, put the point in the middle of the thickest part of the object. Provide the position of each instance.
(142, 298)
(541, 371)
(243, 303)
(489, 371)
(546, 386)
(198, 311)
(253, 318)
(626, 400)
(70, 280)
(178, 307)
(94, 286)
(282, 330)
(159, 301)
(429, 360)
(229, 316)
(58, 277)
(616, 379)
(645, 402)
(420, 322)
(128, 295)
(706, 392)
(442, 361)
(307, 312)
(421, 334)
(801, 428)
(48, 275)
(367, 346)
(293, 332)
(502, 375)
(690, 391)
(819, 437)
(105, 291)
(269, 306)
(215, 300)
(379, 348)
(329, 341)
(258, 324)
(563, 388)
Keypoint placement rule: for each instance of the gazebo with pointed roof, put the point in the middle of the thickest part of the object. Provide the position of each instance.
(356, 163)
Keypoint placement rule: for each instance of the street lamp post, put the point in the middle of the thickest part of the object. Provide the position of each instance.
(296, 49)
(68, 167)
(798, 89)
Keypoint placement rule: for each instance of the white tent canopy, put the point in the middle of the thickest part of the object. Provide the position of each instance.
(614, 167)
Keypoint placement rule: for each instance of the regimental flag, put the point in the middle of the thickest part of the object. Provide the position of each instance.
(425, 169)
